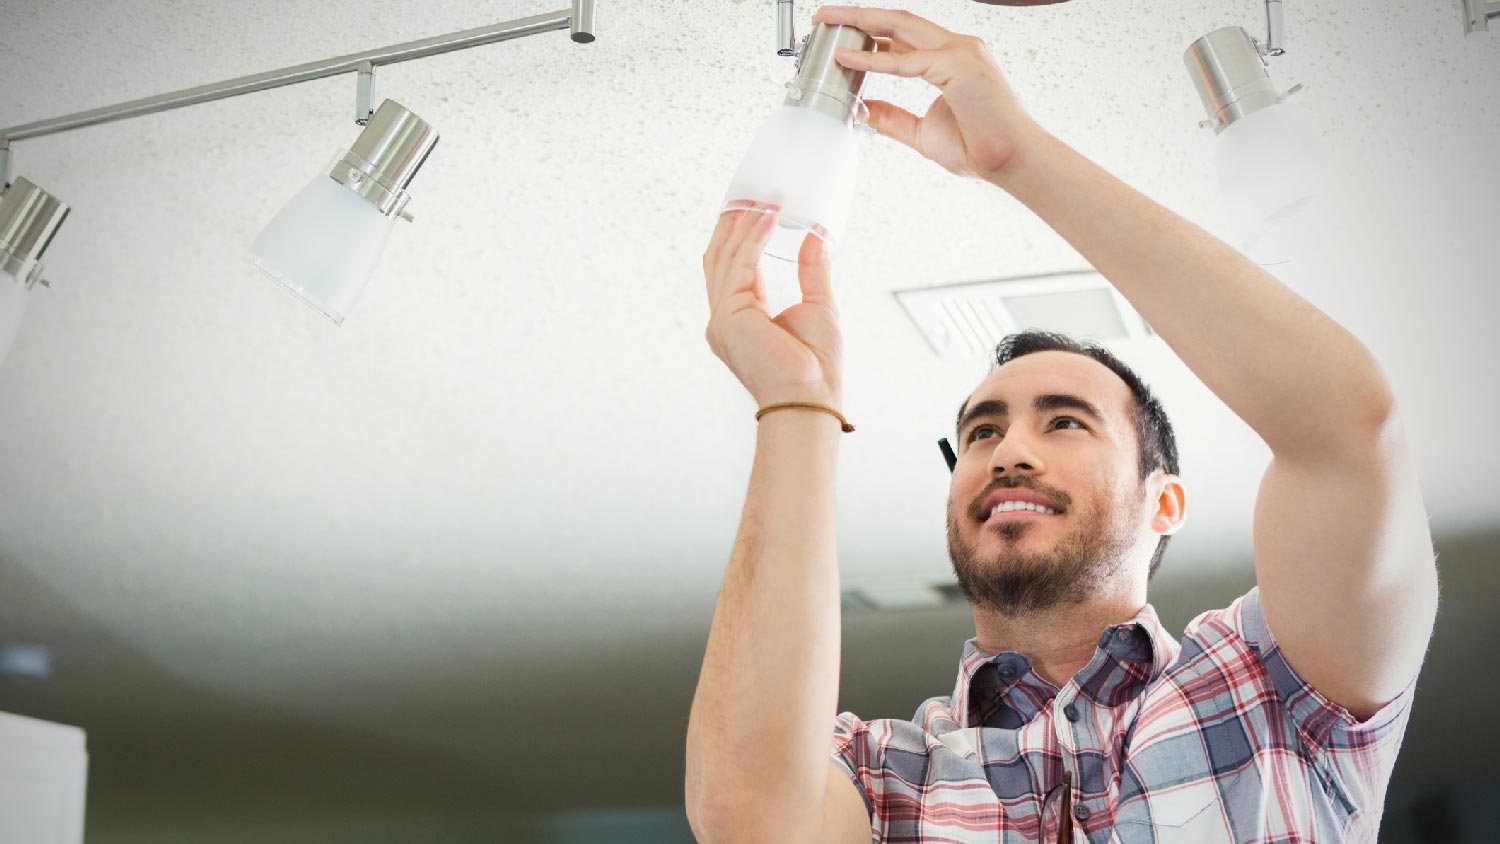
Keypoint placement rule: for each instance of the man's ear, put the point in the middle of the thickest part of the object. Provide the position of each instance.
(1170, 504)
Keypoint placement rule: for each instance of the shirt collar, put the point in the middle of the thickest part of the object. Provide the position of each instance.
(1002, 690)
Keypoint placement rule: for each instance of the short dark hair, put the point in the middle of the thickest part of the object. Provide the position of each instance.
(1158, 444)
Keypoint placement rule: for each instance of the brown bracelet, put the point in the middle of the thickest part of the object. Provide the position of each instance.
(844, 423)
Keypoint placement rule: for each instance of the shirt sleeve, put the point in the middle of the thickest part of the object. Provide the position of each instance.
(1360, 755)
(854, 753)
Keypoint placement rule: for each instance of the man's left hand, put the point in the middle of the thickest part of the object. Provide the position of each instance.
(975, 128)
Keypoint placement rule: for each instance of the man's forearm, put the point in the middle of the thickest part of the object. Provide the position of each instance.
(1292, 373)
(762, 718)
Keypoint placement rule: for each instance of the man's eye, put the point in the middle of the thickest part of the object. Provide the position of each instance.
(1070, 419)
(974, 434)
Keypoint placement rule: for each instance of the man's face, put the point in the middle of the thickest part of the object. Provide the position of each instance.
(1082, 463)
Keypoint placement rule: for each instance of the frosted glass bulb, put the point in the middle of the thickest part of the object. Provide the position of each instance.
(1270, 165)
(13, 296)
(804, 162)
(324, 246)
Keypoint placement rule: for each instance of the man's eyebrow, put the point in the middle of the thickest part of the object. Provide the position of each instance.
(1067, 401)
(1042, 403)
(989, 407)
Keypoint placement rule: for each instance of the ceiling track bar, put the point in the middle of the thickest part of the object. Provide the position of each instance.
(579, 18)
(1478, 14)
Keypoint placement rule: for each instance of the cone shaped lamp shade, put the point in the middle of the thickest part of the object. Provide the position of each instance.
(803, 162)
(1270, 167)
(803, 159)
(1268, 155)
(12, 310)
(325, 244)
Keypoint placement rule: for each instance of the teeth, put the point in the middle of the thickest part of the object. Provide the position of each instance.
(1012, 506)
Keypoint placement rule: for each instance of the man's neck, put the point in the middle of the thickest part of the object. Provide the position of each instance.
(1058, 642)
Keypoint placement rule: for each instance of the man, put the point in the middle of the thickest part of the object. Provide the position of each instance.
(1075, 717)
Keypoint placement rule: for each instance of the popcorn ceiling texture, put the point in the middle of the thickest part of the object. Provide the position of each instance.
(518, 454)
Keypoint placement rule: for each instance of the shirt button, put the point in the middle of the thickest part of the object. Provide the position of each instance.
(1071, 712)
(1080, 811)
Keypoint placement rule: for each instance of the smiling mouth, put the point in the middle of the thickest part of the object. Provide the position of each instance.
(1015, 510)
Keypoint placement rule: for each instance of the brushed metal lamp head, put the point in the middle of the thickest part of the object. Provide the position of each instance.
(1230, 76)
(29, 219)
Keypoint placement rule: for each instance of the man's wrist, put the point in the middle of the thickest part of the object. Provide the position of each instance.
(815, 407)
(1030, 138)
(799, 421)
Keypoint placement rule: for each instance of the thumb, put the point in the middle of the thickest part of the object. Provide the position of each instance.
(893, 121)
(813, 271)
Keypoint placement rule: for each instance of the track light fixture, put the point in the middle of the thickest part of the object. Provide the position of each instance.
(325, 243)
(1268, 155)
(804, 156)
(29, 219)
(1478, 14)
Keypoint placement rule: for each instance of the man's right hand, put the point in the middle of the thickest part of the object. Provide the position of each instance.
(797, 356)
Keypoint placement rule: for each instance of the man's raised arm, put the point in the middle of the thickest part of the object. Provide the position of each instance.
(1343, 554)
(761, 729)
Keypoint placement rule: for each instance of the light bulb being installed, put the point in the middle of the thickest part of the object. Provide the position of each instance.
(325, 244)
(29, 219)
(804, 157)
(1269, 160)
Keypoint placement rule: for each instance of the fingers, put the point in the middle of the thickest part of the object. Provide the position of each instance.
(918, 32)
(937, 67)
(748, 239)
(736, 266)
(893, 122)
(722, 230)
(892, 45)
(814, 272)
(715, 243)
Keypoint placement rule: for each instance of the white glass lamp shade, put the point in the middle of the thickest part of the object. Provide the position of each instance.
(802, 161)
(13, 296)
(1270, 165)
(324, 246)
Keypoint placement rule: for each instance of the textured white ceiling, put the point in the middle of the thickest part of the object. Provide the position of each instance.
(518, 449)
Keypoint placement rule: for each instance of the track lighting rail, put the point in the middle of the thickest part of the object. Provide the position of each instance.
(1478, 14)
(579, 18)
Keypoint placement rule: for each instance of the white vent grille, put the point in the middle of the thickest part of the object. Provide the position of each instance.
(897, 594)
(967, 320)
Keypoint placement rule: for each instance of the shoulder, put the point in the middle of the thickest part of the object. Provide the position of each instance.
(1231, 705)
(1237, 646)
(872, 742)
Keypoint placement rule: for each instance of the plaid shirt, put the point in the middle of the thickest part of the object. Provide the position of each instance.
(1218, 739)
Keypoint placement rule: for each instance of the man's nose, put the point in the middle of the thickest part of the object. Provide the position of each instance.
(1013, 455)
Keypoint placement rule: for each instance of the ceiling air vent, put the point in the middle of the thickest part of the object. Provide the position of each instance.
(967, 320)
(888, 595)
(31, 662)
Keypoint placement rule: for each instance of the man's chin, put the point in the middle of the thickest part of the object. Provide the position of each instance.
(1011, 530)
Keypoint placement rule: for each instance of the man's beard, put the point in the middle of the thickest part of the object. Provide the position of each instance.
(1082, 564)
